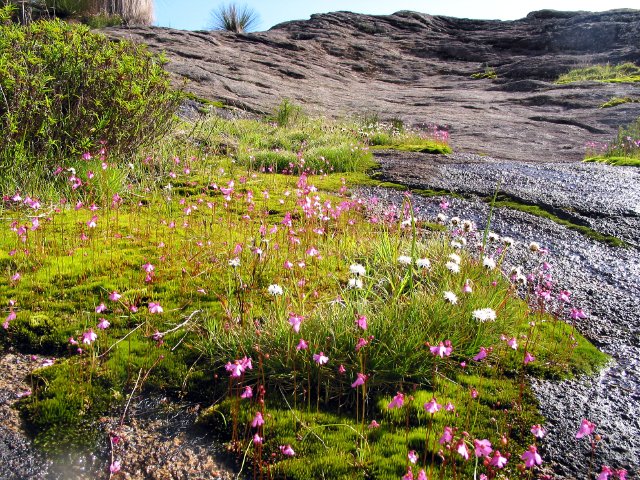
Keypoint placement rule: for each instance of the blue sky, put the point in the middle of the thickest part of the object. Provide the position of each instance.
(196, 14)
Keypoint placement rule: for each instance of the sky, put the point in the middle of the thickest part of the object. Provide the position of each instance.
(196, 14)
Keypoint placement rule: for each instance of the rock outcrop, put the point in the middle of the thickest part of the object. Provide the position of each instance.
(418, 68)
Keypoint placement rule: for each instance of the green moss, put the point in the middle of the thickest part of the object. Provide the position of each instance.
(617, 161)
(541, 212)
(615, 101)
(489, 72)
(204, 101)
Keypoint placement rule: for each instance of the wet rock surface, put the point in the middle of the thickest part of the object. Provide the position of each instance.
(418, 67)
(603, 281)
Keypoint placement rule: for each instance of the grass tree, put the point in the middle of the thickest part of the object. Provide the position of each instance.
(234, 18)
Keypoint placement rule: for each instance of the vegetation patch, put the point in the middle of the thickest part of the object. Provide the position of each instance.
(621, 73)
(229, 262)
(623, 150)
(541, 212)
(615, 101)
(489, 72)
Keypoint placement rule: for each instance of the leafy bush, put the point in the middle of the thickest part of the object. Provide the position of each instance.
(234, 18)
(66, 91)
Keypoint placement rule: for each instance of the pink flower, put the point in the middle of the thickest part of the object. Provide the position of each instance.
(302, 345)
(564, 296)
(498, 460)
(257, 420)
(114, 467)
(577, 314)
(447, 436)
(443, 349)
(538, 431)
(342, 370)
(412, 456)
(320, 358)
(605, 473)
(474, 393)
(373, 424)
(361, 322)
(295, 321)
(238, 367)
(101, 308)
(48, 362)
(531, 457)
(257, 439)
(461, 448)
(93, 223)
(513, 343)
(248, 392)
(147, 267)
(397, 401)
(89, 337)
(422, 475)
(449, 407)
(114, 296)
(361, 343)
(482, 448)
(432, 406)
(528, 358)
(408, 475)
(73, 341)
(155, 308)
(103, 324)
(287, 450)
(586, 428)
(481, 355)
(360, 380)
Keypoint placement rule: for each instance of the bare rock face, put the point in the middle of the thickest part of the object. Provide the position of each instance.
(418, 68)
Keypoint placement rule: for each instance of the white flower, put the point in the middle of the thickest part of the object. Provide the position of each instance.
(423, 263)
(357, 270)
(484, 315)
(456, 244)
(404, 260)
(455, 220)
(275, 289)
(493, 237)
(451, 297)
(521, 279)
(467, 225)
(508, 241)
(453, 267)
(355, 283)
(234, 262)
(441, 218)
(489, 263)
(455, 258)
(534, 246)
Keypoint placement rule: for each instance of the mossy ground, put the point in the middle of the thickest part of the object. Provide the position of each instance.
(275, 202)
(617, 161)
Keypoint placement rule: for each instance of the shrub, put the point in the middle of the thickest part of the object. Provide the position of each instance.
(234, 18)
(66, 91)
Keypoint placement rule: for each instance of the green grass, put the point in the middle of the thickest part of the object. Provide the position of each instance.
(215, 313)
(622, 73)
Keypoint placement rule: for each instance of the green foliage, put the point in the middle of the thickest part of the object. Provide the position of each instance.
(622, 73)
(287, 114)
(624, 150)
(234, 18)
(65, 91)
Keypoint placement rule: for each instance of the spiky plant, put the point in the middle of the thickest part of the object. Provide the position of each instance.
(234, 18)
